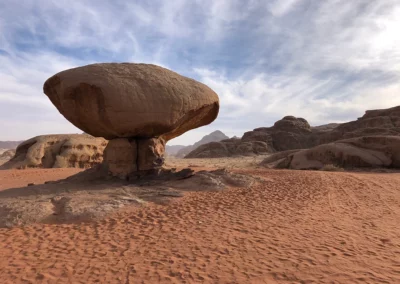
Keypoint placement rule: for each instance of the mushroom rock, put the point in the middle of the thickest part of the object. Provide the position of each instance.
(138, 107)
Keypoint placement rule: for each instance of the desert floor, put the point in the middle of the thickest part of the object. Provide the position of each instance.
(294, 227)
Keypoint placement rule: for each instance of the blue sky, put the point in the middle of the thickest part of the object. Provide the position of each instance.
(326, 61)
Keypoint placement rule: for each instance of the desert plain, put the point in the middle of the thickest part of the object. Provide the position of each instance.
(200, 142)
(287, 226)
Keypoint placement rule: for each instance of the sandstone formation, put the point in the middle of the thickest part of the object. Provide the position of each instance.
(373, 122)
(287, 133)
(360, 152)
(6, 155)
(292, 133)
(231, 147)
(215, 136)
(58, 151)
(146, 105)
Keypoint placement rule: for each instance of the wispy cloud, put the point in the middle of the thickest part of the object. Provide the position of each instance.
(279, 8)
(322, 60)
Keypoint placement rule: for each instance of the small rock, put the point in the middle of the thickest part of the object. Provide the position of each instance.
(31, 184)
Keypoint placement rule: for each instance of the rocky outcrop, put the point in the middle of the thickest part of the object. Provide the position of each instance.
(325, 127)
(145, 104)
(373, 122)
(215, 136)
(292, 133)
(287, 133)
(58, 151)
(360, 152)
(231, 147)
(6, 155)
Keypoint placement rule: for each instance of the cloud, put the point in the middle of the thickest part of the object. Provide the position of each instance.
(281, 7)
(322, 60)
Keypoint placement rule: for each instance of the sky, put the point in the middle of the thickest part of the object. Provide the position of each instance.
(326, 61)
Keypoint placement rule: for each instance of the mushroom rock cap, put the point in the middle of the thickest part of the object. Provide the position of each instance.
(118, 100)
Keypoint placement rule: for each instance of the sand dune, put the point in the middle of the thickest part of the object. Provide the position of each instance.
(296, 227)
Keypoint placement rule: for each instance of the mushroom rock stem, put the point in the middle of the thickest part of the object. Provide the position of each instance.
(127, 156)
(150, 153)
(120, 156)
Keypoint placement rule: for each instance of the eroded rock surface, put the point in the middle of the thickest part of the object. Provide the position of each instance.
(58, 151)
(121, 156)
(287, 133)
(372, 123)
(6, 155)
(292, 133)
(360, 152)
(150, 153)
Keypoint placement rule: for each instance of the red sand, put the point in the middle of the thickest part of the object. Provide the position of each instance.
(296, 227)
(21, 178)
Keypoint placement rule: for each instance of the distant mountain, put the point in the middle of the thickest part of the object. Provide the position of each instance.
(9, 144)
(172, 150)
(215, 136)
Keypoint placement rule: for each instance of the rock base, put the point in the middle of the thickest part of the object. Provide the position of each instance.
(127, 157)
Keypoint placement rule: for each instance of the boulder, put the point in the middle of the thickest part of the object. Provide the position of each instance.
(125, 100)
(58, 151)
(292, 124)
(291, 133)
